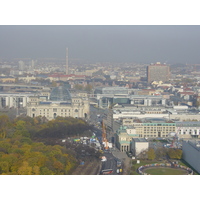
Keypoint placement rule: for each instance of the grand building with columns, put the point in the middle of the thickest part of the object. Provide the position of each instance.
(60, 103)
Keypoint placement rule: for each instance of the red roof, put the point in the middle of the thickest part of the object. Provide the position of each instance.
(67, 76)
(190, 93)
(164, 87)
(148, 90)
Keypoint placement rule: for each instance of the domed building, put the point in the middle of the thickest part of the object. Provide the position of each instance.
(60, 93)
(60, 103)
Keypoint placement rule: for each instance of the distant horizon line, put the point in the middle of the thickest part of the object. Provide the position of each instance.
(84, 60)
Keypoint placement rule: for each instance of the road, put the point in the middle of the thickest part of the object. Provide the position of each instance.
(96, 116)
(111, 163)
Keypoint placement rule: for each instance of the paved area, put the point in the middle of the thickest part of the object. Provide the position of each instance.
(125, 159)
(89, 168)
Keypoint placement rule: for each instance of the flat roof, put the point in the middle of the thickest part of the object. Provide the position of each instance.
(194, 143)
(188, 124)
(139, 140)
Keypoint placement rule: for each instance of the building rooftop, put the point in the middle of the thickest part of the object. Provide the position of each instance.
(153, 120)
(54, 102)
(194, 143)
(188, 124)
(112, 88)
(60, 93)
(139, 140)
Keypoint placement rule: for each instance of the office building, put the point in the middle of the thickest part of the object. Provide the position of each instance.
(158, 72)
(188, 129)
(14, 100)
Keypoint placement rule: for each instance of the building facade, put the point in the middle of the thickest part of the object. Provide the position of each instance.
(188, 129)
(124, 136)
(138, 146)
(60, 104)
(14, 100)
(140, 130)
(158, 72)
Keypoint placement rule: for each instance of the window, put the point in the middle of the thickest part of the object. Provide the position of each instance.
(54, 115)
(54, 109)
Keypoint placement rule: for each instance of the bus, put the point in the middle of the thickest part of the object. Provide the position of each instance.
(106, 171)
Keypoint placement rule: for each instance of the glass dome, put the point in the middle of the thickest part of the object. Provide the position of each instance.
(60, 94)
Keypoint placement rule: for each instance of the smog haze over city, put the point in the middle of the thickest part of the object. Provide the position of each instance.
(103, 43)
(99, 88)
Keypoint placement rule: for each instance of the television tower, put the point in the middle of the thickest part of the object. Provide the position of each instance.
(67, 68)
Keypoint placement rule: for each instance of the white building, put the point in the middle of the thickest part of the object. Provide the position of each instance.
(60, 104)
(139, 145)
(14, 100)
(188, 129)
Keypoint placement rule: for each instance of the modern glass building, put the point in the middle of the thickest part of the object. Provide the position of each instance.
(111, 90)
(60, 93)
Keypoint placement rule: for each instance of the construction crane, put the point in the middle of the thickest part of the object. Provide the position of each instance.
(104, 139)
(174, 135)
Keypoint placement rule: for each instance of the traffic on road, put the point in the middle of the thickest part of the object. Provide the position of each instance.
(110, 164)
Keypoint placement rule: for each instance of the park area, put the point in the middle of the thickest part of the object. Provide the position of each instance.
(165, 171)
(164, 168)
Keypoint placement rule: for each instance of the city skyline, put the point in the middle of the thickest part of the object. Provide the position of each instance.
(117, 43)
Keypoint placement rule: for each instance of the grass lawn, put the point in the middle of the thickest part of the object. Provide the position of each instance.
(165, 171)
(144, 162)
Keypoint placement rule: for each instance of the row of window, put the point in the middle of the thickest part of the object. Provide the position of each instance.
(76, 101)
(166, 124)
(155, 136)
(159, 127)
(55, 110)
(153, 112)
(154, 125)
(47, 115)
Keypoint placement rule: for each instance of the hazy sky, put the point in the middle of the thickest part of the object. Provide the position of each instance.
(146, 44)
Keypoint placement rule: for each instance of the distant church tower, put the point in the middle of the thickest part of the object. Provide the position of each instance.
(67, 68)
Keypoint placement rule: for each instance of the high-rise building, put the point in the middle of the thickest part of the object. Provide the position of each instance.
(67, 68)
(21, 65)
(158, 72)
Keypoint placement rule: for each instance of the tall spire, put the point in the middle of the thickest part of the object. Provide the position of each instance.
(67, 68)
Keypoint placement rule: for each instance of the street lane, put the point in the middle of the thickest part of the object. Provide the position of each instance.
(111, 163)
(95, 119)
